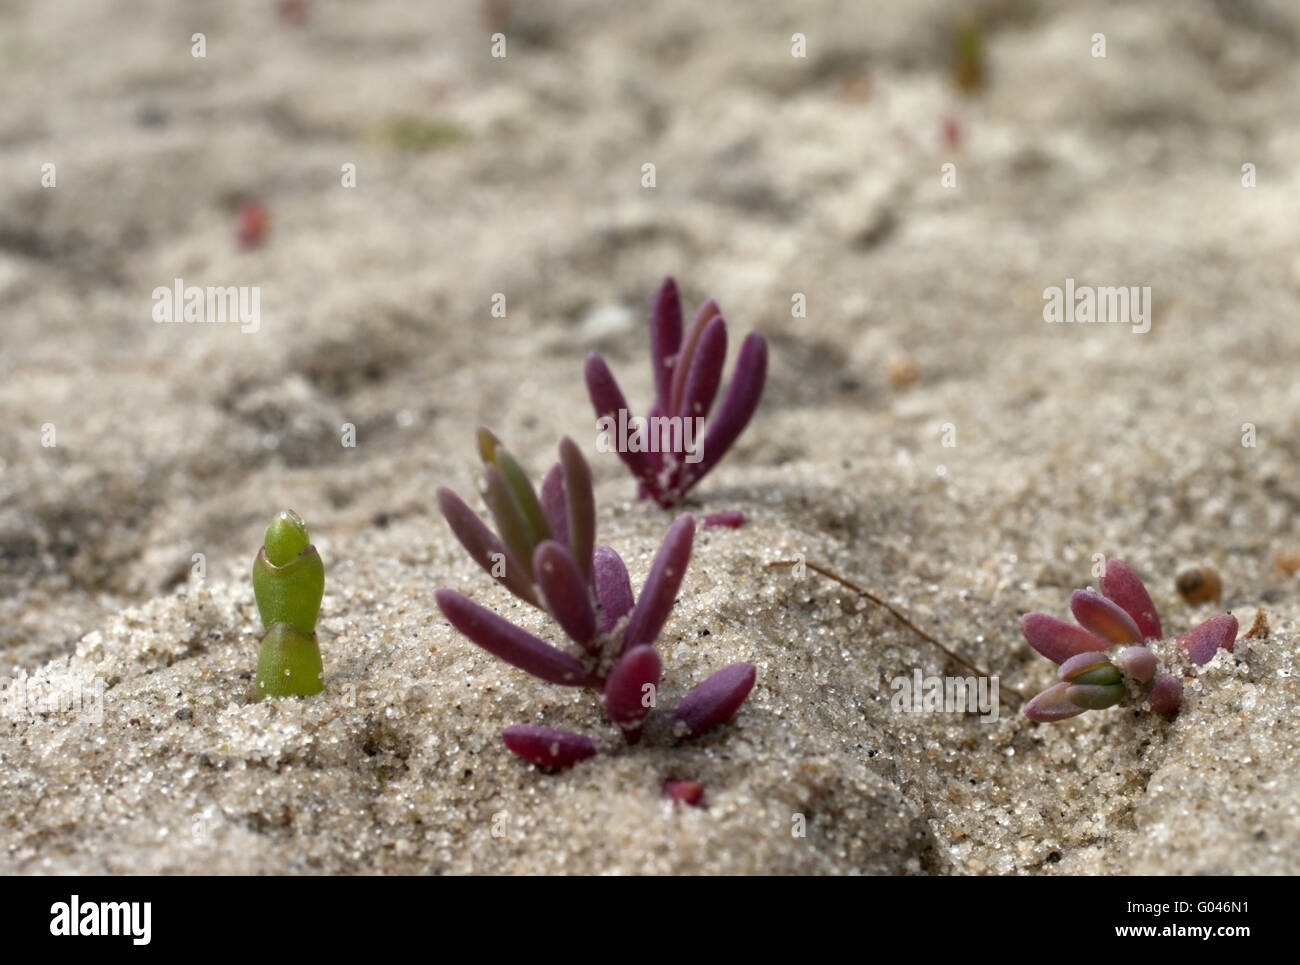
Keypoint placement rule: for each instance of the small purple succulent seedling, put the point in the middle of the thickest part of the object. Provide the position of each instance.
(684, 792)
(687, 373)
(544, 552)
(1109, 650)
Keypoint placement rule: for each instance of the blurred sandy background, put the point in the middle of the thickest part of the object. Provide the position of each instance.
(775, 175)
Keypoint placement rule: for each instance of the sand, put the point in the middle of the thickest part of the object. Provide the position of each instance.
(775, 175)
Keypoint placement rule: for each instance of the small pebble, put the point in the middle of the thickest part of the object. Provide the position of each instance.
(1288, 563)
(1199, 584)
(903, 371)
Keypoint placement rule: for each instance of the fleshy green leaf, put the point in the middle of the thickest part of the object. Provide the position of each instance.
(1089, 668)
(1095, 696)
(510, 522)
(291, 593)
(286, 537)
(525, 497)
(289, 664)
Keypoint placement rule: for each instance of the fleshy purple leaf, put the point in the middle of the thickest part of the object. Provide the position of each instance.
(625, 690)
(508, 642)
(565, 591)
(715, 701)
(707, 312)
(1058, 640)
(1166, 694)
(1204, 640)
(553, 504)
(738, 405)
(580, 506)
(665, 337)
(1104, 617)
(1121, 584)
(1052, 704)
(654, 457)
(608, 401)
(1139, 662)
(547, 748)
(728, 518)
(660, 590)
(483, 546)
(705, 374)
(613, 587)
(687, 792)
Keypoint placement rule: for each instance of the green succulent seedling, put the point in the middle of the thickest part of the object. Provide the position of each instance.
(288, 584)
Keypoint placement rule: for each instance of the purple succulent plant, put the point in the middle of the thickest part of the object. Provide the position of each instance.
(1109, 651)
(687, 373)
(544, 552)
(684, 792)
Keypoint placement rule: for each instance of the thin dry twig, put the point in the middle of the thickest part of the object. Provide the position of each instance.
(898, 615)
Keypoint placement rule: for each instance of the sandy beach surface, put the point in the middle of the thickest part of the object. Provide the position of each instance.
(924, 432)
